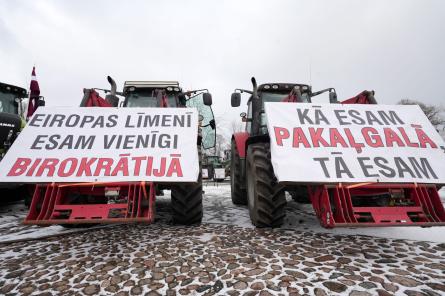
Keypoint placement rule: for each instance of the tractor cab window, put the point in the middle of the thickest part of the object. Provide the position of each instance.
(172, 99)
(7, 103)
(208, 132)
(142, 98)
(148, 98)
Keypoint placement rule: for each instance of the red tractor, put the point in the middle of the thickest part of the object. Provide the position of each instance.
(253, 181)
(90, 203)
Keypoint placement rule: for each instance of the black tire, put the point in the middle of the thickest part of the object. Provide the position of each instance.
(266, 198)
(238, 193)
(186, 200)
(300, 194)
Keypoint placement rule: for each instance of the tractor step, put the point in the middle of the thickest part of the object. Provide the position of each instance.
(377, 205)
(92, 203)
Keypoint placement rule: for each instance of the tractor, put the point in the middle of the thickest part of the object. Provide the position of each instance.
(12, 114)
(124, 202)
(253, 182)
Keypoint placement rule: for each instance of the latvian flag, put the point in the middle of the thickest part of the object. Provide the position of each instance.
(34, 92)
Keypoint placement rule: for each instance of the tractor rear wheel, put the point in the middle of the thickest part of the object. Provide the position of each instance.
(266, 198)
(239, 196)
(186, 200)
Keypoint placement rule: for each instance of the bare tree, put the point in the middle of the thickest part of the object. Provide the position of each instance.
(432, 112)
(236, 126)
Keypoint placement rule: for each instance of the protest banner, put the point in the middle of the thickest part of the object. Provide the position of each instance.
(313, 143)
(66, 144)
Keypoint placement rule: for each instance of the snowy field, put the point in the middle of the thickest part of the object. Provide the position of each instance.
(223, 256)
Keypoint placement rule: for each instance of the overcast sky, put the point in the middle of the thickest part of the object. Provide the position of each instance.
(396, 48)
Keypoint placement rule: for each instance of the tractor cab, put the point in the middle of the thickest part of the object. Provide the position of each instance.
(11, 109)
(10, 98)
(273, 92)
(153, 94)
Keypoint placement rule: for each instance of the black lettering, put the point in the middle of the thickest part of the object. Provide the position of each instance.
(366, 167)
(38, 141)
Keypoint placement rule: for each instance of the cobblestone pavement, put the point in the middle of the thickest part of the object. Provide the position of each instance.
(222, 259)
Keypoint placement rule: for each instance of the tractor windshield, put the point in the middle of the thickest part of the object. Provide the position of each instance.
(7, 103)
(208, 132)
(148, 98)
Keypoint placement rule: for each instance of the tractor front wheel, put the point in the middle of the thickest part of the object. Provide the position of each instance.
(237, 191)
(266, 198)
(186, 200)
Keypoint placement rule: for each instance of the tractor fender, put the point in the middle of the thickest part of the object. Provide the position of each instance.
(240, 141)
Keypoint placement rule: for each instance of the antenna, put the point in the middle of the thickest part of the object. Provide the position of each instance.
(310, 71)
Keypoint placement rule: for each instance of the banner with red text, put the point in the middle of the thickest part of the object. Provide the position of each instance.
(354, 143)
(66, 144)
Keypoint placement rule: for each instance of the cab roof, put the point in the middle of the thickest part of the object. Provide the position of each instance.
(4, 87)
(150, 84)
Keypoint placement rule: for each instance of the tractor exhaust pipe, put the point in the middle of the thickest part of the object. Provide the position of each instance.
(256, 109)
(111, 97)
(113, 85)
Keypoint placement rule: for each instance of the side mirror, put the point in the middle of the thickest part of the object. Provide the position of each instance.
(235, 100)
(333, 97)
(207, 98)
(243, 116)
(41, 102)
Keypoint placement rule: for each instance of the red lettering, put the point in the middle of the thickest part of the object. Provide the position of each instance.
(373, 140)
(103, 164)
(19, 167)
(47, 164)
(33, 167)
(175, 167)
(424, 139)
(85, 166)
(122, 166)
(280, 134)
(149, 166)
(392, 137)
(336, 138)
(137, 165)
(161, 171)
(61, 171)
(316, 137)
(406, 138)
(300, 137)
(358, 146)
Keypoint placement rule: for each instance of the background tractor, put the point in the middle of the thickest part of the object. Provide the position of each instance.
(129, 201)
(12, 120)
(253, 181)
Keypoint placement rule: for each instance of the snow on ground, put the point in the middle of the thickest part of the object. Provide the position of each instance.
(225, 255)
(218, 209)
(12, 229)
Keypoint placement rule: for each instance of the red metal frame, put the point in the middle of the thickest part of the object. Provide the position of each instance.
(240, 141)
(333, 205)
(51, 204)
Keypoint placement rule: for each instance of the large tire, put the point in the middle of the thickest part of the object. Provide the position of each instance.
(186, 200)
(266, 198)
(239, 195)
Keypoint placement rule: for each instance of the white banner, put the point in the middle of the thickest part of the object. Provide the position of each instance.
(65, 144)
(220, 173)
(354, 143)
(205, 173)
